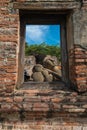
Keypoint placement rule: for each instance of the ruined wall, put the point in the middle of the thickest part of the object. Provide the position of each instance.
(78, 53)
(46, 108)
(10, 38)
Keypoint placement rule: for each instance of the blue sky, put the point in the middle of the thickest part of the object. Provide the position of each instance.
(37, 34)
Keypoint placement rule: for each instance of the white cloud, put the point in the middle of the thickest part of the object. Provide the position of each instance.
(36, 32)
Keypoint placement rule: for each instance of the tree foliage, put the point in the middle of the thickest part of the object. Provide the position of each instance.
(43, 48)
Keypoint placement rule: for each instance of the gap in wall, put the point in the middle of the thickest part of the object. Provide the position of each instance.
(42, 53)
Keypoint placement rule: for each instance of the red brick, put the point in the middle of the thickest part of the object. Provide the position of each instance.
(18, 99)
(8, 100)
(40, 107)
(57, 100)
(27, 106)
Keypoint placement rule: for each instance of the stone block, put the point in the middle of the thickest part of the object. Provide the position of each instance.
(85, 128)
(77, 127)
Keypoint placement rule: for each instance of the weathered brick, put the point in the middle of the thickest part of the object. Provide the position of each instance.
(56, 107)
(77, 127)
(6, 106)
(27, 106)
(8, 99)
(18, 99)
(40, 107)
(57, 100)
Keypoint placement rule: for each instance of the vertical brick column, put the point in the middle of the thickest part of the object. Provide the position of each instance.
(81, 67)
(8, 46)
(78, 68)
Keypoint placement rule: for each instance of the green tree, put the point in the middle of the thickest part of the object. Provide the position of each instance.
(43, 48)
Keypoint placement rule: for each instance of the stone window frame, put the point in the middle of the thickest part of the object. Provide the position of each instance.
(66, 33)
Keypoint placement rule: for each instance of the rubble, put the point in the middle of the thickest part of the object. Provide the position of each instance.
(48, 71)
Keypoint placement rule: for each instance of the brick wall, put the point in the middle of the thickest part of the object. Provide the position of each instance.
(78, 73)
(10, 40)
(40, 109)
(40, 126)
(8, 47)
(81, 67)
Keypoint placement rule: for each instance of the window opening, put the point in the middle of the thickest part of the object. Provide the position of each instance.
(43, 18)
(42, 53)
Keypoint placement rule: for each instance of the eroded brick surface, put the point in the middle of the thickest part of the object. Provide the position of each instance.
(79, 67)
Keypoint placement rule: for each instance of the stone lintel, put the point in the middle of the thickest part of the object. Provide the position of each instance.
(59, 5)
